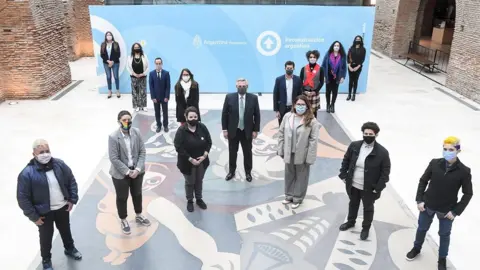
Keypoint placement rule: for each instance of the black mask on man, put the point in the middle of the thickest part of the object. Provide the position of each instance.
(368, 139)
(193, 122)
(242, 90)
(289, 72)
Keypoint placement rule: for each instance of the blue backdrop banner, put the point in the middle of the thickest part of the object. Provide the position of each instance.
(220, 43)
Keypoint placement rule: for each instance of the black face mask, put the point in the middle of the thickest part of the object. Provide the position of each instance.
(137, 50)
(127, 126)
(193, 122)
(357, 42)
(289, 72)
(242, 90)
(368, 139)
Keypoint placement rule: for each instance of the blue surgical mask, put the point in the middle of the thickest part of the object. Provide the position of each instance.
(300, 109)
(449, 155)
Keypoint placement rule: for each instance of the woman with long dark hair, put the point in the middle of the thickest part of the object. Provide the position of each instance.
(312, 76)
(335, 65)
(110, 53)
(187, 94)
(137, 65)
(297, 145)
(356, 57)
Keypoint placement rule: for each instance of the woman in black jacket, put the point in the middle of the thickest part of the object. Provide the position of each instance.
(192, 143)
(187, 94)
(110, 53)
(356, 57)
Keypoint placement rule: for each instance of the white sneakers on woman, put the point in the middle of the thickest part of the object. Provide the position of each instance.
(294, 205)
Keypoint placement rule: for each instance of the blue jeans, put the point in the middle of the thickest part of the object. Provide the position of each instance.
(108, 72)
(424, 221)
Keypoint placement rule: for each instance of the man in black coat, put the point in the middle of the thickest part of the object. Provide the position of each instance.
(46, 193)
(287, 87)
(240, 125)
(365, 171)
(444, 178)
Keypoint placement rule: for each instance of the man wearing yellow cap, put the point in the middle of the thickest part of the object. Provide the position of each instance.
(444, 177)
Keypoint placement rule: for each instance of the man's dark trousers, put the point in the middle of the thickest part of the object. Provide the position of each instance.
(61, 219)
(164, 107)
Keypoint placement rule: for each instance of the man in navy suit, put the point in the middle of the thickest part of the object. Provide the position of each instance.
(159, 81)
(287, 88)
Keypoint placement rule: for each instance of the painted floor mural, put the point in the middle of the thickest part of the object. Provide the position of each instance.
(245, 227)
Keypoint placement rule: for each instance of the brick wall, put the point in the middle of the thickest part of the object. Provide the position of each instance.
(463, 74)
(32, 52)
(79, 41)
(395, 25)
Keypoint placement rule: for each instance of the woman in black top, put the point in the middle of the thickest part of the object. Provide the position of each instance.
(186, 94)
(356, 57)
(110, 53)
(193, 142)
(137, 65)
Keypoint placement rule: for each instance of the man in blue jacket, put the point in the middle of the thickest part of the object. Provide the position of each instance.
(46, 192)
(159, 82)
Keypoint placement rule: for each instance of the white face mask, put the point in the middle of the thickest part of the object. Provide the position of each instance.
(109, 38)
(44, 158)
(336, 48)
(312, 61)
(185, 78)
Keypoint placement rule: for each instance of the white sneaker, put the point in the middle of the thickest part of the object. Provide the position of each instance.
(286, 201)
(295, 205)
(145, 109)
(137, 109)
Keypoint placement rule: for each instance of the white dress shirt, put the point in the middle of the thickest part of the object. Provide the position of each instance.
(57, 200)
(359, 172)
(289, 84)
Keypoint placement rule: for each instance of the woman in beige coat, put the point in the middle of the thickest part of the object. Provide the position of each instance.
(297, 145)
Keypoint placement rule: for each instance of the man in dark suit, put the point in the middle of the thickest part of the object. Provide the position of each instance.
(240, 125)
(287, 88)
(159, 82)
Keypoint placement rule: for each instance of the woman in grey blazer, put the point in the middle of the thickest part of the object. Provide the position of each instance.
(297, 145)
(126, 151)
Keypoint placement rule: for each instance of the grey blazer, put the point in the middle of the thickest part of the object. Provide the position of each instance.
(118, 154)
(306, 141)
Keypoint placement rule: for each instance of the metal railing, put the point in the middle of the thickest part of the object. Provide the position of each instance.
(437, 56)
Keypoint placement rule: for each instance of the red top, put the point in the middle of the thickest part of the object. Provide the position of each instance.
(310, 74)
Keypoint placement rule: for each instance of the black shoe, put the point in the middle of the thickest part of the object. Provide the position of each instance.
(353, 97)
(190, 206)
(248, 177)
(412, 254)
(328, 108)
(47, 265)
(201, 204)
(125, 227)
(332, 108)
(349, 97)
(159, 129)
(442, 263)
(347, 225)
(141, 220)
(165, 129)
(73, 253)
(229, 176)
(364, 234)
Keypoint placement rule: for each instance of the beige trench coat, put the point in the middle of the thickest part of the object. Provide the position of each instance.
(307, 141)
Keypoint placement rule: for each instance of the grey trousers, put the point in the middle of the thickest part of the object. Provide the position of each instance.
(194, 182)
(296, 181)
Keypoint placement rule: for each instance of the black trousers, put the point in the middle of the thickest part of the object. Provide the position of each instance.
(122, 187)
(194, 182)
(282, 112)
(331, 91)
(164, 106)
(61, 219)
(368, 199)
(240, 138)
(353, 81)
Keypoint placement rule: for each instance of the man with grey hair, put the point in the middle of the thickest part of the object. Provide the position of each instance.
(240, 125)
(46, 192)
